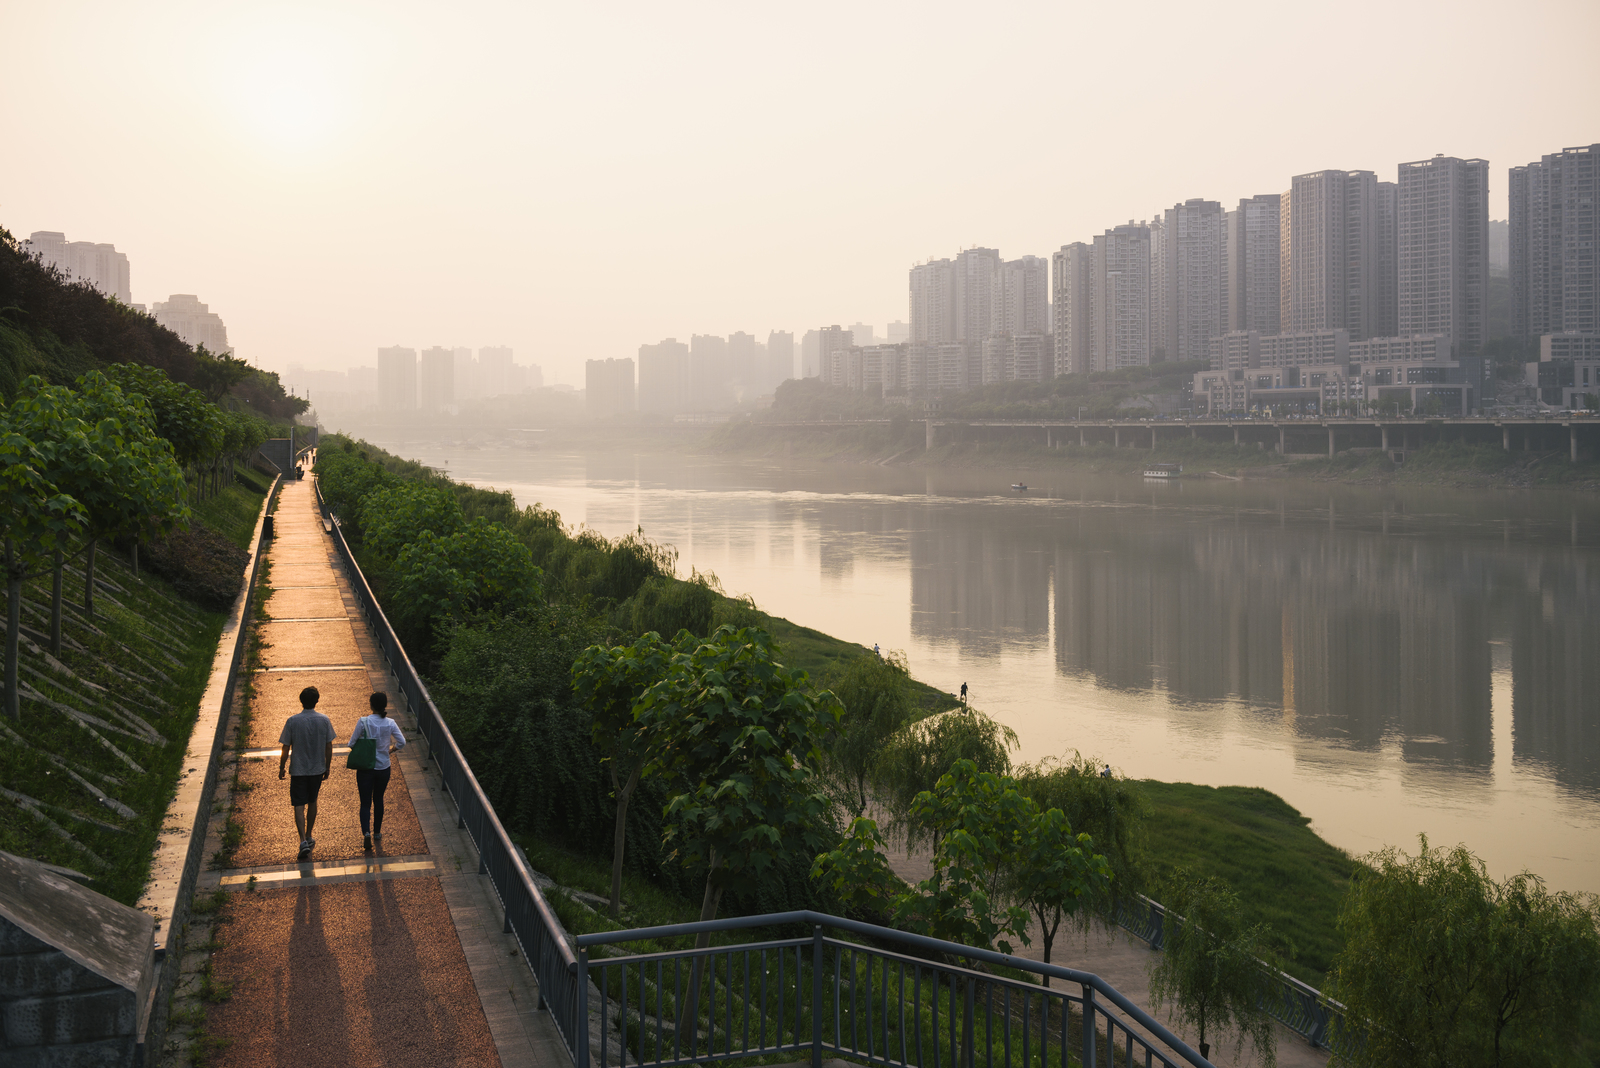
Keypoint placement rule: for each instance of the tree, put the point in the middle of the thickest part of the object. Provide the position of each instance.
(610, 683)
(917, 756)
(1056, 873)
(1110, 809)
(191, 424)
(38, 519)
(739, 737)
(392, 515)
(1214, 964)
(1445, 966)
(876, 694)
(479, 568)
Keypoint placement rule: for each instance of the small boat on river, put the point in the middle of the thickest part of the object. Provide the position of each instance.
(1020, 487)
(1163, 471)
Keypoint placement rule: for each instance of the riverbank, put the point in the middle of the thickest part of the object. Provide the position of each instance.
(91, 766)
(903, 443)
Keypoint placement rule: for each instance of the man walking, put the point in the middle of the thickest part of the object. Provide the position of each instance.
(308, 755)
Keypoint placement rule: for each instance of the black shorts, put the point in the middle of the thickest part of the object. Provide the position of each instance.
(303, 789)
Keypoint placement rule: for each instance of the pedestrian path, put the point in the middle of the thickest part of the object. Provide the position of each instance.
(393, 958)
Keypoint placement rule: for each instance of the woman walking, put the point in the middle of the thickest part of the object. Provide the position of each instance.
(372, 784)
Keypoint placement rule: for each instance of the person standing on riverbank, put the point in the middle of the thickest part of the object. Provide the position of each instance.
(307, 741)
(372, 783)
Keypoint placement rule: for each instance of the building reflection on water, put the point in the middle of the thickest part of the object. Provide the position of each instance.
(1351, 637)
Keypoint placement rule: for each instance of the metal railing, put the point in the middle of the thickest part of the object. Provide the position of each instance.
(1298, 1006)
(926, 1002)
(527, 915)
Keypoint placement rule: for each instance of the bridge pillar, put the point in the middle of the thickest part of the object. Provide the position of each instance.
(1080, 437)
(930, 434)
(1283, 439)
(1152, 439)
(1572, 441)
(1330, 443)
(1505, 438)
(1116, 437)
(1385, 430)
(1047, 444)
(1236, 437)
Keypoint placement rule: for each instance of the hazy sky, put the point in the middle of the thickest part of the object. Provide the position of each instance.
(575, 179)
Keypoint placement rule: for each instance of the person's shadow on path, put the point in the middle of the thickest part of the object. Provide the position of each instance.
(316, 1023)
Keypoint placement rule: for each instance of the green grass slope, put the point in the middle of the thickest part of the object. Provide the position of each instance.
(89, 770)
(1261, 846)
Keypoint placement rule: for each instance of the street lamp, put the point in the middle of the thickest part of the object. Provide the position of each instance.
(1080, 414)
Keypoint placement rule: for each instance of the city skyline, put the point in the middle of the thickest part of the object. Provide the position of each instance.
(322, 200)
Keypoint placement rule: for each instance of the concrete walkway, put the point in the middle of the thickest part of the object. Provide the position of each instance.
(394, 958)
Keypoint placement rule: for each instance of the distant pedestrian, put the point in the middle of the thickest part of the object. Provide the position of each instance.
(307, 741)
(371, 785)
(875, 650)
(963, 693)
(1106, 774)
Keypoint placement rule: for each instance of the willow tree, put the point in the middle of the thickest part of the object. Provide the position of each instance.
(917, 756)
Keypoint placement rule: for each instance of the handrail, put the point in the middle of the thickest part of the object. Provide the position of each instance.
(527, 915)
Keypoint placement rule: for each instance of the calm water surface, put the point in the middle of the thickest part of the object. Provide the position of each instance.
(1391, 662)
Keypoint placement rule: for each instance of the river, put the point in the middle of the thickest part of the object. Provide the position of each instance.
(1390, 661)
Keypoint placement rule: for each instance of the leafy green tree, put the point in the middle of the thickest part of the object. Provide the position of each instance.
(1445, 966)
(915, 758)
(610, 682)
(1056, 874)
(667, 605)
(217, 374)
(345, 478)
(393, 515)
(38, 519)
(1213, 968)
(1109, 808)
(739, 738)
(876, 694)
(480, 568)
(191, 424)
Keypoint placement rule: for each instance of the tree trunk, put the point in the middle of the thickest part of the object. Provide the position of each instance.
(88, 578)
(13, 632)
(55, 607)
(136, 557)
(624, 795)
(708, 912)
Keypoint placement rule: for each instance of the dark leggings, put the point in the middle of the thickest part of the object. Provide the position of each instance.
(371, 785)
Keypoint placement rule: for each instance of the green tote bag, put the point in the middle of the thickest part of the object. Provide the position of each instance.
(363, 752)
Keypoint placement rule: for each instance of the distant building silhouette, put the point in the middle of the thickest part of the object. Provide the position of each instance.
(780, 358)
(184, 315)
(1254, 252)
(436, 379)
(608, 387)
(1188, 258)
(1329, 274)
(1119, 298)
(397, 379)
(102, 266)
(898, 332)
(664, 377)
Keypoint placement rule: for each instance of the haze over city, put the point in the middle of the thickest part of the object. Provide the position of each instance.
(331, 179)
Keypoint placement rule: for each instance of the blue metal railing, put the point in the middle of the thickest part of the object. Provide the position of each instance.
(1298, 1006)
(925, 1003)
(527, 914)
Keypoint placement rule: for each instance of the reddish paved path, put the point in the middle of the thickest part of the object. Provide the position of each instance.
(394, 959)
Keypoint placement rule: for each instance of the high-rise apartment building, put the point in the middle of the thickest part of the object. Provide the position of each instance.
(709, 385)
(1499, 247)
(1071, 268)
(101, 265)
(1119, 283)
(1386, 322)
(1554, 243)
(1253, 257)
(397, 379)
(862, 334)
(1020, 304)
(1443, 234)
(1329, 270)
(1188, 270)
(899, 333)
(436, 379)
(608, 387)
(184, 315)
(664, 377)
(780, 358)
(975, 271)
(494, 370)
(833, 346)
(933, 302)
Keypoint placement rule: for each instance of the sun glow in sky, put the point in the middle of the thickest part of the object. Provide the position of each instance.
(575, 180)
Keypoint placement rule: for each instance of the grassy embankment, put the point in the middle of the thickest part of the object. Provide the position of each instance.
(111, 717)
(903, 441)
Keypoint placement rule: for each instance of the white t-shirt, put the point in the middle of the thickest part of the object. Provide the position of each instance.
(383, 730)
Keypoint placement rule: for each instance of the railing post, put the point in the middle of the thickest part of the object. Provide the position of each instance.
(1088, 1059)
(966, 1026)
(580, 1026)
(1158, 923)
(816, 996)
